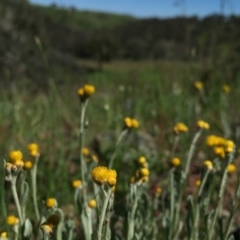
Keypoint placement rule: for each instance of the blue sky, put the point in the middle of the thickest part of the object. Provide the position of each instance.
(150, 8)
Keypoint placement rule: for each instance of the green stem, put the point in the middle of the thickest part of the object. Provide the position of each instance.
(103, 212)
(121, 136)
(15, 196)
(34, 187)
(81, 144)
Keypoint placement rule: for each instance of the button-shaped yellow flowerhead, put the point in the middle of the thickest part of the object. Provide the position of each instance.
(103, 175)
(175, 162)
(3, 235)
(51, 202)
(28, 165)
(180, 128)
(12, 220)
(89, 90)
(208, 164)
(85, 92)
(158, 191)
(144, 172)
(226, 88)
(47, 229)
(219, 151)
(203, 125)
(128, 122)
(198, 85)
(131, 123)
(229, 146)
(15, 155)
(77, 183)
(33, 149)
(85, 152)
(198, 183)
(135, 123)
(231, 168)
(92, 203)
(142, 160)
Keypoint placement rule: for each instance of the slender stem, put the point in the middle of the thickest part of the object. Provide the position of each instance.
(70, 234)
(15, 196)
(121, 136)
(103, 212)
(34, 187)
(81, 144)
(191, 151)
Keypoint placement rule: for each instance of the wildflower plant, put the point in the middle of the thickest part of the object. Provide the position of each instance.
(150, 210)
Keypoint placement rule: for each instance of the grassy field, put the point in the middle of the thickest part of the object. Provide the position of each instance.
(157, 94)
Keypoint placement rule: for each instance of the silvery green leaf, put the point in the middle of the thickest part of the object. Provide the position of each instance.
(27, 229)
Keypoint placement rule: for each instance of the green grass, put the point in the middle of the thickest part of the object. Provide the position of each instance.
(158, 94)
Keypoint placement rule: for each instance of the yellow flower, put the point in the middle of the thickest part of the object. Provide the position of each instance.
(180, 128)
(89, 90)
(198, 183)
(208, 164)
(144, 172)
(135, 123)
(219, 151)
(131, 123)
(85, 92)
(51, 202)
(198, 85)
(3, 235)
(128, 122)
(47, 229)
(158, 191)
(15, 156)
(19, 163)
(94, 158)
(92, 203)
(176, 162)
(12, 220)
(142, 160)
(76, 183)
(112, 181)
(229, 146)
(203, 125)
(28, 165)
(231, 168)
(85, 152)
(213, 140)
(33, 149)
(103, 175)
(226, 88)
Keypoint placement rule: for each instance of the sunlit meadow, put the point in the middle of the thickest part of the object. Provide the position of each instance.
(145, 150)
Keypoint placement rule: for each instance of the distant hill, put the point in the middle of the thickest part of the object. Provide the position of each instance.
(68, 35)
(89, 20)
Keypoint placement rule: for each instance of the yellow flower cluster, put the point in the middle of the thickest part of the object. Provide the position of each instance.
(89, 157)
(15, 161)
(141, 175)
(85, 92)
(51, 202)
(220, 145)
(12, 220)
(131, 123)
(102, 175)
(33, 149)
(198, 85)
(175, 162)
(203, 125)
(198, 183)
(226, 88)
(143, 162)
(180, 128)
(27, 165)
